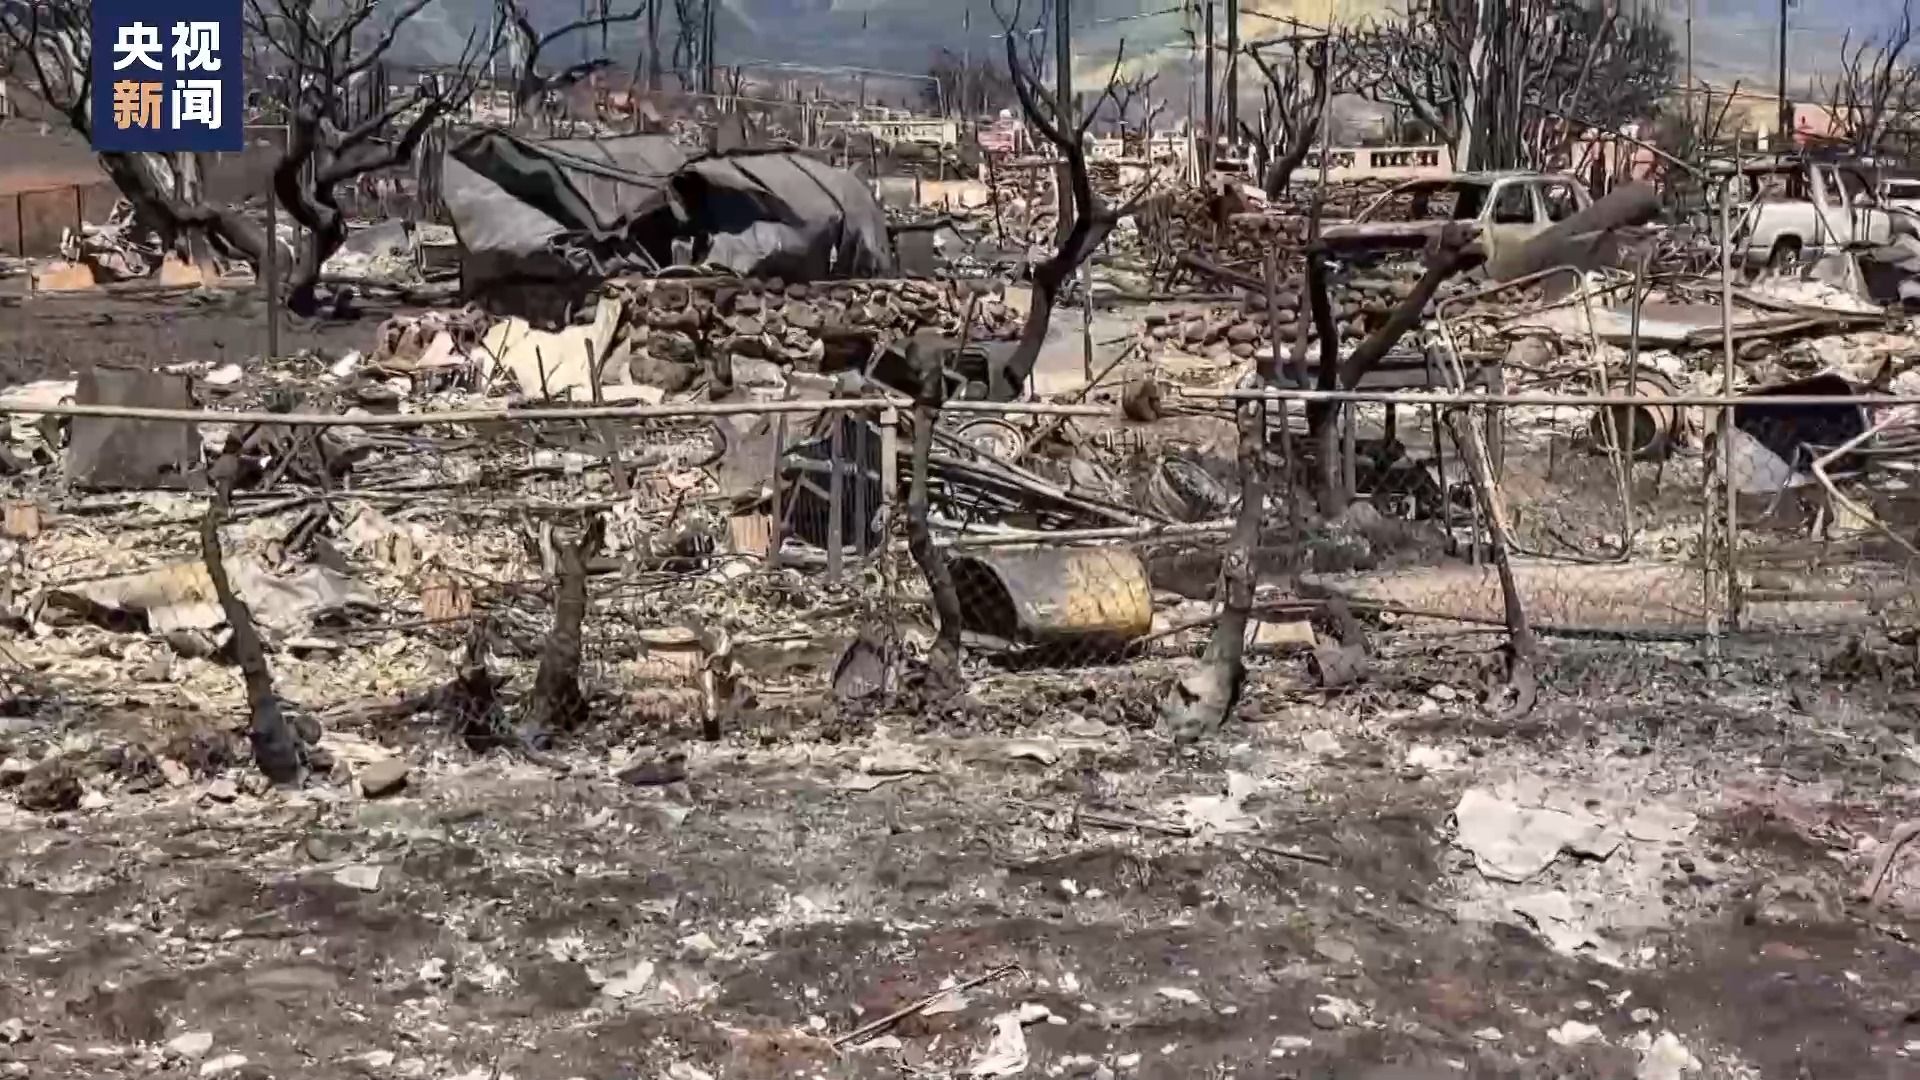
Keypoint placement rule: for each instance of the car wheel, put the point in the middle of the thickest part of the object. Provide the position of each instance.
(1785, 256)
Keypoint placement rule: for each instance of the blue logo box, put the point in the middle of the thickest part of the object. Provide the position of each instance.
(167, 77)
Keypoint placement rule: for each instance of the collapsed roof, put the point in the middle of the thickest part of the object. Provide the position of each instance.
(586, 209)
(555, 210)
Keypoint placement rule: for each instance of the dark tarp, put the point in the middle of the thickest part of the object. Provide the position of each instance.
(783, 214)
(582, 210)
(553, 210)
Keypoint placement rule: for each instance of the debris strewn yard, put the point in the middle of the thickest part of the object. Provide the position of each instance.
(691, 585)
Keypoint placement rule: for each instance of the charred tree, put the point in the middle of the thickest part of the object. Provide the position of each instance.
(557, 705)
(531, 86)
(943, 661)
(1134, 96)
(1521, 650)
(1203, 699)
(337, 134)
(1876, 88)
(52, 46)
(1065, 129)
(1293, 106)
(1471, 72)
(1449, 253)
(277, 747)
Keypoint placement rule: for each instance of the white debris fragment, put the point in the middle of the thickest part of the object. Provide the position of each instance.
(1179, 995)
(1332, 1012)
(1043, 751)
(1433, 759)
(1033, 1012)
(1006, 1053)
(632, 983)
(1667, 1059)
(1320, 743)
(362, 876)
(894, 761)
(1219, 813)
(1510, 842)
(191, 1046)
(1552, 916)
(1489, 1034)
(1573, 1033)
(1289, 1044)
(224, 1064)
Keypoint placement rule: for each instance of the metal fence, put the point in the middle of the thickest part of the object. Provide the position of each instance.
(744, 555)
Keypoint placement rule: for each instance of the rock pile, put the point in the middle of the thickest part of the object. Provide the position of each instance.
(1360, 307)
(674, 327)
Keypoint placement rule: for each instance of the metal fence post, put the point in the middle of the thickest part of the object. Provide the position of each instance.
(836, 498)
(270, 270)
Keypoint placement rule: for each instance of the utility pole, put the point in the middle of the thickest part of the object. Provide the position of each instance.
(653, 46)
(966, 57)
(1208, 141)
(1689, 99)
(706, 48)
(1233, 71)
(1786, 111)
(1064, 116)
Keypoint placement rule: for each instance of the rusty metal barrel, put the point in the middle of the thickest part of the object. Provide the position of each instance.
(1649, 429)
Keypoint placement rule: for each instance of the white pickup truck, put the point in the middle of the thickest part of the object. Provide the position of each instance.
(1793, 210)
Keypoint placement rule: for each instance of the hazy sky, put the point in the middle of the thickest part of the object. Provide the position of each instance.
(1733, 39)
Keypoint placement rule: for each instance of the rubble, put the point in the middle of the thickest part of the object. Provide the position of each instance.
(383, 778)
(711, 637)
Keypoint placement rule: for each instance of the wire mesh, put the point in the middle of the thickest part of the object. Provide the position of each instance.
(744, 560)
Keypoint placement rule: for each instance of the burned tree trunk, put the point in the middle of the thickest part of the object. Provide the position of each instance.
(51, 55)
(943, 661)
(277, 748)
(1299, 106)
(333, 139)
(1321, 414)
(1521, 649)
(1202, 700)
(179, 222)
(1447, 255)
(557, 705)
(1092, 219)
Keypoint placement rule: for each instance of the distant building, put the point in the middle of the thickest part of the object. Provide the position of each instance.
(1391, 163)
(1003, 136)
